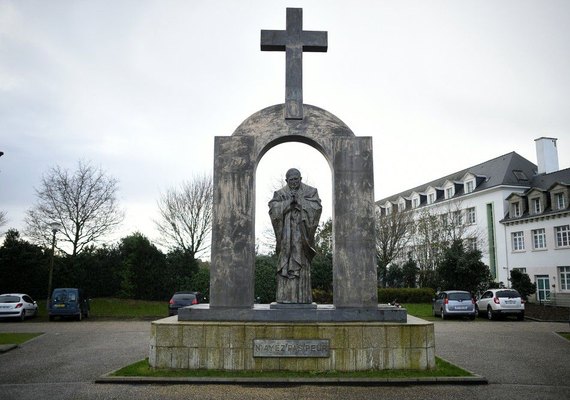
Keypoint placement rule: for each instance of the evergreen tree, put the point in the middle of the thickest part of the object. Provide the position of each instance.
(462, 269)
(143, 269)
(23, 266)
(521, 282)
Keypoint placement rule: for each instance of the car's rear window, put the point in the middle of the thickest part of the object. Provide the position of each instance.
(184, 297)
(459, 296)
(508, 293)
(64, 295)
(9, 299)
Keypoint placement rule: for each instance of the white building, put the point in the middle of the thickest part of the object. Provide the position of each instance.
(516, 211)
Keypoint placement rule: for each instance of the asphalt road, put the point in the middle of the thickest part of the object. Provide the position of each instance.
(524, 360)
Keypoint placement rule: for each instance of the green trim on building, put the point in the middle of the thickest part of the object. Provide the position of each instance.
(491, 240)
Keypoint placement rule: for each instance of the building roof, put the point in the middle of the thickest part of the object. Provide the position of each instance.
(510, 169)
(545, 181)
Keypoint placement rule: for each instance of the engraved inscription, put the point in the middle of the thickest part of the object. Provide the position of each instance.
(291, 348)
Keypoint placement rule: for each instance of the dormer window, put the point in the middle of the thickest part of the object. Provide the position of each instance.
(431, 198)
(469, 186)
(536, 205)
(560, 201)
(402, 206)
(388, 210)
(449, 192)
(415, 202)
(516, 209)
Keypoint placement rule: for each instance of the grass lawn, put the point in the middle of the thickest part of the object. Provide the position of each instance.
(131, 309)
(420, 310)
(114, 308)
(142, 368)
(565, 335)
(17, 338)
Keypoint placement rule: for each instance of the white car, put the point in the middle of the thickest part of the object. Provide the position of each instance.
(17, 305)
(501, 302)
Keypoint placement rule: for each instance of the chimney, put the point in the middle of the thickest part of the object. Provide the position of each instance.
(546, 155)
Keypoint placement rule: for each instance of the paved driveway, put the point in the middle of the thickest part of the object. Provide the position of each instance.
(525, 360)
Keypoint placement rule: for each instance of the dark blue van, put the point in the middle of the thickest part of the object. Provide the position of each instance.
(68, 302)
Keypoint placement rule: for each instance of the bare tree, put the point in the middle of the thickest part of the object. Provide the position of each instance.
(436, 229)
(393, 233)
(186, 215)
(83, 202)
(3, 219)
(428, 243)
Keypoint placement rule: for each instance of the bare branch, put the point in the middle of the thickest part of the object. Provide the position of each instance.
(84, 203)
(186, 215)
(393, 232)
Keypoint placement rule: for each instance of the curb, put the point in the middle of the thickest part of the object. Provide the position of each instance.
(4, 348)
(442, 380)
(545, 320)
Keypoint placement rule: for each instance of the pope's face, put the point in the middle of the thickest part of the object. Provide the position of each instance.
(294, 181)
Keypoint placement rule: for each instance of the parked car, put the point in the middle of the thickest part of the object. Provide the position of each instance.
(183, 299)
(17, 305)
(68, 302)
(501, 302)
(454, 303)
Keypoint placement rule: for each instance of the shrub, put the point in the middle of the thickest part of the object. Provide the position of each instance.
(406, 295)
(522, 283)
(322, 296)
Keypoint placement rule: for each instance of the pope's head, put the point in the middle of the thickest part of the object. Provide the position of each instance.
(293, 178)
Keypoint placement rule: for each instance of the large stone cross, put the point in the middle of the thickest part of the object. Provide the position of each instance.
(294, 41)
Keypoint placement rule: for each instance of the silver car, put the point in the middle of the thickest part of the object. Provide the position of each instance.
(501, 302)
(454, 303)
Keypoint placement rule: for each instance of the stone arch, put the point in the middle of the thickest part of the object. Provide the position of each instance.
(233, 230)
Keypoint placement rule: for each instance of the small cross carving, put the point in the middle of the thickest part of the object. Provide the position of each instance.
(294, 41)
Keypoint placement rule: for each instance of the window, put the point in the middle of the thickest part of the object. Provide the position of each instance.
(520, 269)
(431, 198)
(415, 202)
(449, 193)
(471, 216)
(536, 206)
(402, 206)
(469, 186)
(388, 210)
(539, 239)
(471, 243)
(562, 235)
(518, 241)
(564, 276)
(516, 207)
(560, 201)
(458, 217)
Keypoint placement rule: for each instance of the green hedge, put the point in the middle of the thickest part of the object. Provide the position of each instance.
(406, 295)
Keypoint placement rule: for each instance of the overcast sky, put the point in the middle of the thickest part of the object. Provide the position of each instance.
(141, 88)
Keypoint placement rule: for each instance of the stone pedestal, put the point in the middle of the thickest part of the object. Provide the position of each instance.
(292, 313)
(348, 346)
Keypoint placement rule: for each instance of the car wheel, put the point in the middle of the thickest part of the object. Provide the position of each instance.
(442, 314)
(23, 315)
(490, 314)
(477, 312)
(520, 317)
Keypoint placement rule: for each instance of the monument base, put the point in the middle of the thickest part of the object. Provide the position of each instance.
(275, 312)
(292, 346)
